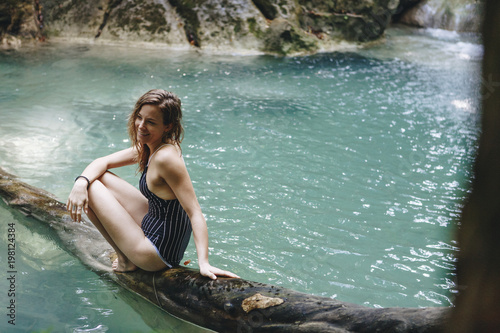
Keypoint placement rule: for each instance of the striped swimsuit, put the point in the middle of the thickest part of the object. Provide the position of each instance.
(166, 225)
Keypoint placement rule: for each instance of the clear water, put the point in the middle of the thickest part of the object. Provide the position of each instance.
(339, 175)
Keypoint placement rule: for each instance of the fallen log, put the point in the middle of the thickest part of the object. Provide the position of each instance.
(223, 305)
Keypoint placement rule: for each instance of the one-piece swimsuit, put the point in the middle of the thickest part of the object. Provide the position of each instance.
(166, 224)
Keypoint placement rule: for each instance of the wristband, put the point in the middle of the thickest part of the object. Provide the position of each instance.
(88, 181)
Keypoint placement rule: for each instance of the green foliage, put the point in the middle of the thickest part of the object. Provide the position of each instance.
(238, 26)
(253, 27)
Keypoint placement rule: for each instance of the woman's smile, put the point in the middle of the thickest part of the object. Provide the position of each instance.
(149, 125)
(141, 136)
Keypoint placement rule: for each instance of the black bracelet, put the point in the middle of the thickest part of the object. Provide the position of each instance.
(88, 181)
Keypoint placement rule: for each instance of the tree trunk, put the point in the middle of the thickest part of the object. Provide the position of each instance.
(223, 305)
(478, 269)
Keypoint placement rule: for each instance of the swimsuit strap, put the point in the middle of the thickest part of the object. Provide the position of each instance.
(165, 144)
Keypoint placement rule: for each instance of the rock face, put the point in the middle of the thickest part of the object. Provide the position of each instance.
(20, 19)
(282, 27)
(273, 26)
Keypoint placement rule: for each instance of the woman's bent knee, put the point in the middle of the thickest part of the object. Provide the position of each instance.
(96, 185)
(106, 177)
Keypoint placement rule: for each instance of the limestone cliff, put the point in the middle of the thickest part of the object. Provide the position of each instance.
(272, 26)
(282, 27)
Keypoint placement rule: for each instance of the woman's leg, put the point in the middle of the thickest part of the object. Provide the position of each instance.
(122, 263)
(127, 195)
(117, 209)
(133, 202)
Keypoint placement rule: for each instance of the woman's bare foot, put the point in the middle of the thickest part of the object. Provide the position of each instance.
(123, 265)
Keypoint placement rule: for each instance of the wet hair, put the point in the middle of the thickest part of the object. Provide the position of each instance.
(170, 107)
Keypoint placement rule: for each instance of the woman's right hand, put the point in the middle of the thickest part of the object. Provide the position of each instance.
(78, 200)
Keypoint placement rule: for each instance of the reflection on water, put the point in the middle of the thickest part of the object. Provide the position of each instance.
(339, 175)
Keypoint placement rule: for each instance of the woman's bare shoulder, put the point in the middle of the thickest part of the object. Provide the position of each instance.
(169, 155)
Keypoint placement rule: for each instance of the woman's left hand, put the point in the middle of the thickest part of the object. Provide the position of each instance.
(78, 200)
(212, 272)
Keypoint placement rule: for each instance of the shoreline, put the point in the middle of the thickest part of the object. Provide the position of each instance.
(9, 43)
(222, 50)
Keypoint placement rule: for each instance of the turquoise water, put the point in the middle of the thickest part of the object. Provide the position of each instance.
(339, 175)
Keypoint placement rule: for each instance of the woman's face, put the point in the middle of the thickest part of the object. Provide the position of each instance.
(149, 125)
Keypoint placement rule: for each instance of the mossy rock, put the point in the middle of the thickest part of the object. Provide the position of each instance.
(285, 38)
(139, 16)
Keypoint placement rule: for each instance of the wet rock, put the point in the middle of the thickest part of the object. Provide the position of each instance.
(285, 38)
(281, 27)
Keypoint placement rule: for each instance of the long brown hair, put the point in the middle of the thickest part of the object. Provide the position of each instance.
(170, 107)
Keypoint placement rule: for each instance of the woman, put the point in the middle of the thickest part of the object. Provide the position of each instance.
(149, 230)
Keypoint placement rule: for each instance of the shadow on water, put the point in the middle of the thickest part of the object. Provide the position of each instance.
(156, 318)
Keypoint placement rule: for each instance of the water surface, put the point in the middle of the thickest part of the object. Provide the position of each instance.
(339, 175)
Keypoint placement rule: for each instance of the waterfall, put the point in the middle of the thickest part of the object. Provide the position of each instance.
(455, 15)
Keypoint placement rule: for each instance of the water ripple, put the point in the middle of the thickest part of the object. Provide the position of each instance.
(340, 175)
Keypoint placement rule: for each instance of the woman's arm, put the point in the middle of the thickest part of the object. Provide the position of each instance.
(78, 198)
(172, 169)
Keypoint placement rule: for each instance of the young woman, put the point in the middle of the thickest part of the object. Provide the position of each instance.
(150, 228)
